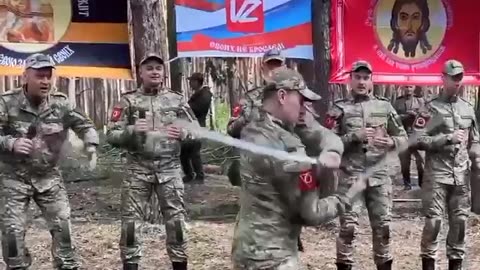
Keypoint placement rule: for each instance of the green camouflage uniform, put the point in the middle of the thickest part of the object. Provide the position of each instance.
(447, 169)
(153, 166)
(349, 116)
(273, 209)
(37, 177)
(403, 105)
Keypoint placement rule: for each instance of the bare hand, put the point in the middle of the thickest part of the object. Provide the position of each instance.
(383, 142)
(141, 125)
(330, 160)
(364, 133)
(174, 132)
(23, 146)
(459, 136)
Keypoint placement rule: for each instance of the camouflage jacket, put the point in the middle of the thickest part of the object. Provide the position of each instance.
(348, 116)
(46, 126)
(405, 104)
(250, 109)
(269, 220)
(440, 118)
(153, 151)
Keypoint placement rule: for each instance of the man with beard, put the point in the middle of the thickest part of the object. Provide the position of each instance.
(278, 197)
(407, 107)
(369, 127)
(143, 124)
(34, 124)
(446, 128)
(410, 23)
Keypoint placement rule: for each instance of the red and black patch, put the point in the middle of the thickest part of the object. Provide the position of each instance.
(420, 122)
(116, 114)
(330, 122)
(306, 181)
(237, 110)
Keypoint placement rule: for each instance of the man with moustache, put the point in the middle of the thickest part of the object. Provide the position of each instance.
(407, 107)
(410, 23)
(143, 124)
(369, 127)
(34, 123)
(446, 128)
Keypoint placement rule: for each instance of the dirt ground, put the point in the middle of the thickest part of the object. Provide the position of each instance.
(212, 208)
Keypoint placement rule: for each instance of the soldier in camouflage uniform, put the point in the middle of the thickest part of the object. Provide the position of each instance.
(369, 127)
(407, 107)
(279, 196)
(143, 123)
(248, 109)
(447, 129)
(34, 123)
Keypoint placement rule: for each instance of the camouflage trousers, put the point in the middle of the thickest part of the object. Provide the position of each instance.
(291, 263)
(378, 201)
(136, 193)
(54, 204)
(435, 197)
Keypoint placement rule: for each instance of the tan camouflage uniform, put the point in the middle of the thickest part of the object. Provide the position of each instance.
(403, 105)
(270, 217)
(154, 168)
(447, 169)
(351, 115)
(37, 177)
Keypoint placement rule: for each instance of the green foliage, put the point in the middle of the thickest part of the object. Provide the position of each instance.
(222, 115)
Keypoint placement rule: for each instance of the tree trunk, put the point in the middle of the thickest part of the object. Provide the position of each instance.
(148, 24)
(321, 52)
(175, 65)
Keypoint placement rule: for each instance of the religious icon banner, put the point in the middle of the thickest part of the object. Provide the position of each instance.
(84, 38)
(406, 41)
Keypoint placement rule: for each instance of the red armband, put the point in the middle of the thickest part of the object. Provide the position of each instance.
(236, 111)
(116, 114)
(330, 122)
(306, 182)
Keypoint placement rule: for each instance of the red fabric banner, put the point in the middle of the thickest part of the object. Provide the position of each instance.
(406, 41)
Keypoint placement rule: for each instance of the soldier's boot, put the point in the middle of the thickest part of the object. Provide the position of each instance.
(428, 264)
(130, 266)
(385, 266)
(455, 264)
(179, 265)
(342, 266)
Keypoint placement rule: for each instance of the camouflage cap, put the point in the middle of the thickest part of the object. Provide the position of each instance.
(291, 80)
(361, 64)
(149, 56)
(273, 54)
(197, 76)
(39, 60)
(452, 67)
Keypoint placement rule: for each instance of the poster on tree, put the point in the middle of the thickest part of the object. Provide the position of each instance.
(406, 41)
(243, 28)
(84, 38)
